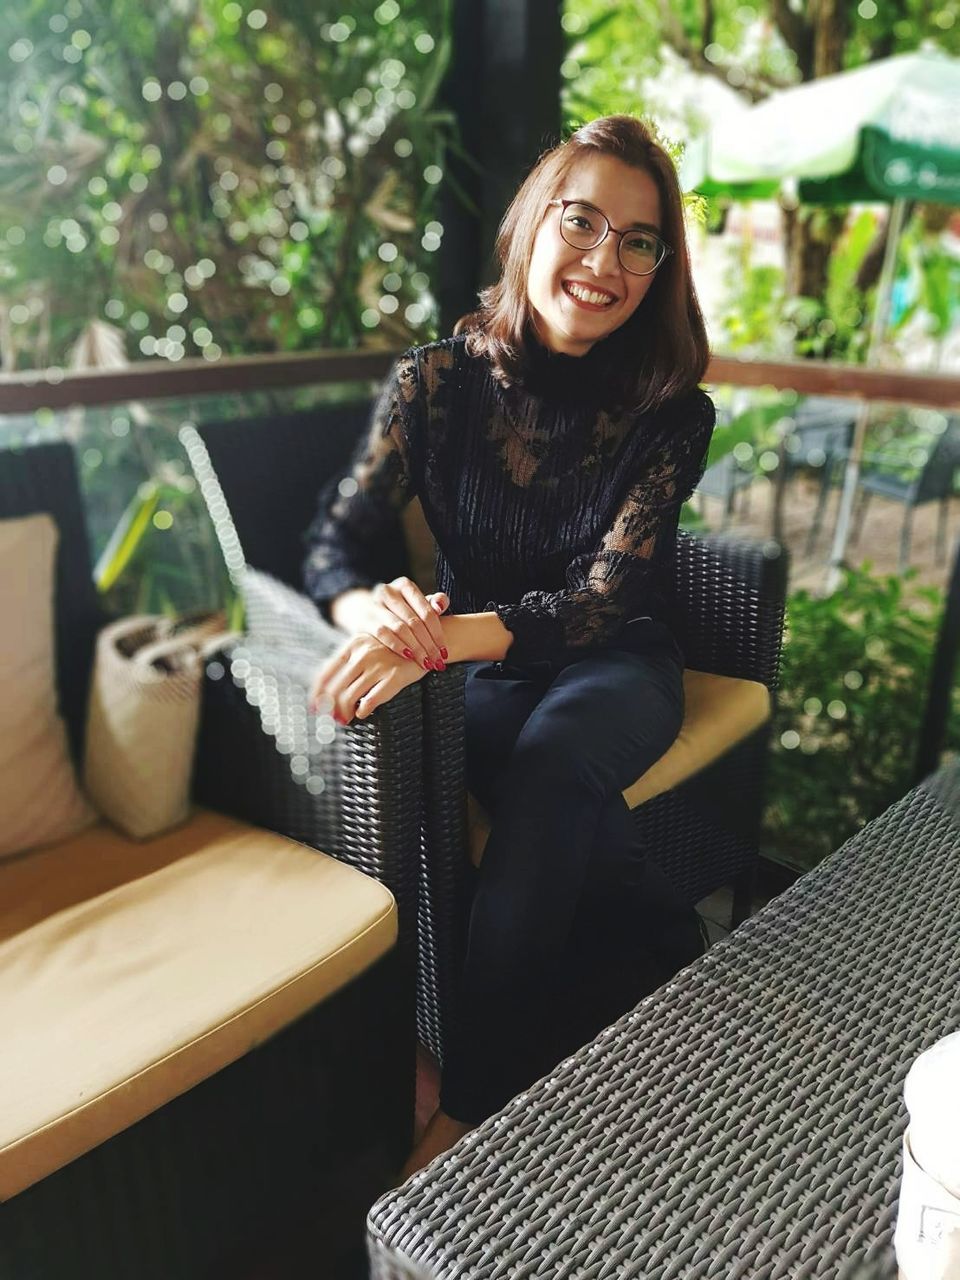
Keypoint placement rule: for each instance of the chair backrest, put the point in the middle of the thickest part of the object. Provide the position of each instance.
(727, 600)
(823, 427)
(270, 471)
(42, 478)
(936, 478)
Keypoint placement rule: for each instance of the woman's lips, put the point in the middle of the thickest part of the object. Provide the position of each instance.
(581, 302)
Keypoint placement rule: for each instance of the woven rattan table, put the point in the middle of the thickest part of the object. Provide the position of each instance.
(743, 1121)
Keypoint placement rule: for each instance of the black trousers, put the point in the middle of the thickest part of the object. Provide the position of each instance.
(571, 924)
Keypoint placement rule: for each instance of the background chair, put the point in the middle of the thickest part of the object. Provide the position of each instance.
(309, 1122)
(730, 599)
(818, 440)
(724, 480)
(912, 482)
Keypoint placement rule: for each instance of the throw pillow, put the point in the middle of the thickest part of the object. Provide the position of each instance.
(40, 801)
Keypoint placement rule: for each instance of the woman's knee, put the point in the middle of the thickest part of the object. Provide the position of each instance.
(576, 742)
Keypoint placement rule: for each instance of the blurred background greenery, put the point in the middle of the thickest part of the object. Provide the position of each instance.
(206, 178)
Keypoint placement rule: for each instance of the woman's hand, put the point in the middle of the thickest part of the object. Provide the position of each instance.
(406, 622)
(362, 675)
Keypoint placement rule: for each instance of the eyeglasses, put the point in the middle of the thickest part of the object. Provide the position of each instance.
(584, 227)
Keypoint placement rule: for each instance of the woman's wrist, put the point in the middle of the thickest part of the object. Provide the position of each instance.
(475, 637)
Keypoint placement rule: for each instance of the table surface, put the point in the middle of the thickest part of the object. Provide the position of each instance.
(743, 1121)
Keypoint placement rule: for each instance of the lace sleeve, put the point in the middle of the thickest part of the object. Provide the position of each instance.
(607, 586)
(355, 509)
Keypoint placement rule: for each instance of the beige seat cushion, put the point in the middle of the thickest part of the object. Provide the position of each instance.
(130, 972)
(719, 712)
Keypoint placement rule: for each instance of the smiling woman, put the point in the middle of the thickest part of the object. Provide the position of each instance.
(552, 442)
(571, 278)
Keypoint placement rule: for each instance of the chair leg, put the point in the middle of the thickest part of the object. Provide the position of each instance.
(863, 501)
(743, 888)
(818, 514)
(728, 507)
(905, 538)
(941, 548)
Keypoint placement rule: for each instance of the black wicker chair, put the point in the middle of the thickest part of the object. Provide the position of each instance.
(309, 1124)
(730, 594)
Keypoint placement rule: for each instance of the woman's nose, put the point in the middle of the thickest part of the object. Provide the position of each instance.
(603, 258)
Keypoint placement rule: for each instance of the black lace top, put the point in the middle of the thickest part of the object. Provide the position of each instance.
(547, 506)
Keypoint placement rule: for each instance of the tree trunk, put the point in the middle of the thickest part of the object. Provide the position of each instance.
(810, 235)
(830, 22)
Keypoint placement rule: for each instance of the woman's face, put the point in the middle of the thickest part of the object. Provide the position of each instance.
(563, 322)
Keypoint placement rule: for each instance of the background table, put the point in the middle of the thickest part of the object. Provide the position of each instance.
(743, 1121)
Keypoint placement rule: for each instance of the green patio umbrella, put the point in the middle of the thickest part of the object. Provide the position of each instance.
(888, 131)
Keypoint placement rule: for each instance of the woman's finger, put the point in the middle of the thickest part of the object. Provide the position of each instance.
(399, 630)
(372, 699)
(409, 603)
(374, 684)
(329, 679)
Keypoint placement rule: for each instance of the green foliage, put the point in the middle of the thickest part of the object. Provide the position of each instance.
(835, 327)
(146, 567)
(750, 432)
(854, 680)
(751, 318)
(617, 61)
(216, 178)
(932, 278)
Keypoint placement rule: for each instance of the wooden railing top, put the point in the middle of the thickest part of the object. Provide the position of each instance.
(157, 379)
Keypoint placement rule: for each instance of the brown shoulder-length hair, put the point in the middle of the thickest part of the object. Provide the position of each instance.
(659, 353)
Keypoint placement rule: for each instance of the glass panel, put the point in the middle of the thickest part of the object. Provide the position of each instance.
(153, 544)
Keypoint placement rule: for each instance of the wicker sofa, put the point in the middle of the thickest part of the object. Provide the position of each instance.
(698, 809)
(210, 1029)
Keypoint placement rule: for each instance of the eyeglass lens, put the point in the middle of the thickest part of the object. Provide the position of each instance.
(583, 228)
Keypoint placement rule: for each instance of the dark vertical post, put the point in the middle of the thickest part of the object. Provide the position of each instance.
(934, 727)
(503, 88)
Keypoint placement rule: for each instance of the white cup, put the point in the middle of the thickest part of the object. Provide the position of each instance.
(927, 1237)
(932, 1095)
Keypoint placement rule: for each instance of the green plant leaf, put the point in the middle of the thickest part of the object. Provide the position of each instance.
(126, 538)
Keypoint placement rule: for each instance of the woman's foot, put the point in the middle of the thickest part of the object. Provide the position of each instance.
(440, 1134)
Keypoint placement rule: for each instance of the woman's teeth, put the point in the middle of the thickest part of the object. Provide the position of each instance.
(588, 295)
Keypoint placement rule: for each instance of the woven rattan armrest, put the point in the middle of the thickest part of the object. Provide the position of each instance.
(354, 793)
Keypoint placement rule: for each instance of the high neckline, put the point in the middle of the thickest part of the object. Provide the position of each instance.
(555, 376)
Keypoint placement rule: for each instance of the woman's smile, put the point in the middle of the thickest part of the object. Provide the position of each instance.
(588, 296)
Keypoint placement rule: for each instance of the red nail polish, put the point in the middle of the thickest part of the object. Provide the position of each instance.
(443, 653)
(441, 666)
(427, 664)
(407, 653)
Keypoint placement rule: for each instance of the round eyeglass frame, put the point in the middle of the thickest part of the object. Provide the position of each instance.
(564, 204)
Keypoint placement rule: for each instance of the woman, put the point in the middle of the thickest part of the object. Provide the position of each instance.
(552, 442)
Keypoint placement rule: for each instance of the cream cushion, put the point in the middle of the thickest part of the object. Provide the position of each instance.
(130, 972)
(719, 712)
(39, 797)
